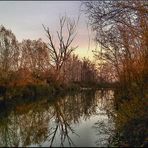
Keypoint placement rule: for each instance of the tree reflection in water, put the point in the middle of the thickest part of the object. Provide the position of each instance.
(36, 123)
(105, 127)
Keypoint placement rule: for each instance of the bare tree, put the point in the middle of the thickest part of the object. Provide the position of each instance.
(61, 52)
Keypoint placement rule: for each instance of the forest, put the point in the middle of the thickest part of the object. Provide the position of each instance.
(36, 64)
(36, 68)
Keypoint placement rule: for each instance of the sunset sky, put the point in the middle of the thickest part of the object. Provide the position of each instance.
(25, 19)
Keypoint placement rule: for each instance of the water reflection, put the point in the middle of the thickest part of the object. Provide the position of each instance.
(54, 123)
(105, 127)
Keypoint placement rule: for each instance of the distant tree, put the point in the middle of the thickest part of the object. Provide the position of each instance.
(71, 70)
(88, 71)
(9, 53)
(34, 58)
(34, 55)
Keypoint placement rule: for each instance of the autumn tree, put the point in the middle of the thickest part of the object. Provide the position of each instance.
(9, 53)
(71, 70)
(34, 55)
(34, 58)
(121, 31)
(88, 71)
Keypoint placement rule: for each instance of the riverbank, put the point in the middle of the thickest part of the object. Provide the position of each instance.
(41, 90)
(31, 91)
(131, 120)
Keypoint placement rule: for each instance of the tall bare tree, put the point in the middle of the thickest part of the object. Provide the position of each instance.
(66, 35)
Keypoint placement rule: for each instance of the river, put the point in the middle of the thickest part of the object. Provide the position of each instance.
(76, 119)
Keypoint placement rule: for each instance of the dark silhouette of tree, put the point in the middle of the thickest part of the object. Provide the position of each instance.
(61, 52)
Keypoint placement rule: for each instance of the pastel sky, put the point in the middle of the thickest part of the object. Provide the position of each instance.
(25, 19)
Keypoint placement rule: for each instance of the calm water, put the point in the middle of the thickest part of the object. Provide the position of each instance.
(79, 119)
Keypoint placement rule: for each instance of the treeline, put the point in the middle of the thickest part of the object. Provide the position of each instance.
(34, 62)
(122, 33)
